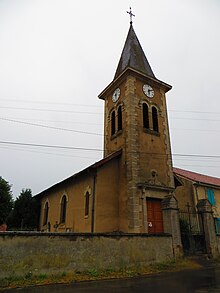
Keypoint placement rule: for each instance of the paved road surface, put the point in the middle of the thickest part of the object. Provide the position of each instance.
(200, 281)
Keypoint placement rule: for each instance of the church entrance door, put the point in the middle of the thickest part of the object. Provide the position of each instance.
(154, 216)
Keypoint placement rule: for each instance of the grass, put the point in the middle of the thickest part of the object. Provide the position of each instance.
(30, 279)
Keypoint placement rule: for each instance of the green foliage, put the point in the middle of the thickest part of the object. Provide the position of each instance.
(163, 266)
(28, 275)
(109, 270)
(30, 279)
(25, 213)
(184, 226)
(6, 201)
(64, 274)
(42, 276)
(93, 273)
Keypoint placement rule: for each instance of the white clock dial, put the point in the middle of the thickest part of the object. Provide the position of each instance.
(116, 95)
(148, 90)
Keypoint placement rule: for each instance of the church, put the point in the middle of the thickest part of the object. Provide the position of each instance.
(123, 191)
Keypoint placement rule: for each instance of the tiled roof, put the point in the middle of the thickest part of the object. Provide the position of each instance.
(196, 177)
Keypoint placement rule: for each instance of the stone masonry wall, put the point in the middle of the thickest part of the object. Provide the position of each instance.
(218, 242)
(21, 253)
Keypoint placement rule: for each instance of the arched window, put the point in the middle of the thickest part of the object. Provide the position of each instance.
(145, 116)
(113, 122)
(155, 119)
(119, 118)
(87, 204)
(63, 209)
(46, 212)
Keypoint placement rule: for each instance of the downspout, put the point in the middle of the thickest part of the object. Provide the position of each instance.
(93, 201)
(195, 194)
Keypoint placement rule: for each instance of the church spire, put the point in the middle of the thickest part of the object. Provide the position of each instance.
(133, 56)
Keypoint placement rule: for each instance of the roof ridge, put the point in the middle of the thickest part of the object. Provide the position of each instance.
(197, 177)
(193, 172)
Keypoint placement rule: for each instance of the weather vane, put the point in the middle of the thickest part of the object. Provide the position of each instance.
(131, 15)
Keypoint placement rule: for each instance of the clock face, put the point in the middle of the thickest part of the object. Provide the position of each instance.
(116, 95)
(148, 90)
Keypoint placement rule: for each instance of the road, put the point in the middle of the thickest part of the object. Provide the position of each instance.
(200, 281)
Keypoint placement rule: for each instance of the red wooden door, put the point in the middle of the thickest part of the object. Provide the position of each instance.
(154, 216)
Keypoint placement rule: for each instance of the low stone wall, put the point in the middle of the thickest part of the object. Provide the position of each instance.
(23, 252)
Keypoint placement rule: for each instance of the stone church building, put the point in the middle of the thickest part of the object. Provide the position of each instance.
(123, 191)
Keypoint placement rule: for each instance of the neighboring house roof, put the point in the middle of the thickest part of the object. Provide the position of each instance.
(133, 56)
(197, 178)
(89, 168)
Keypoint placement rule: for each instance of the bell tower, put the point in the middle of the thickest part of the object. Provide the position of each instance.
(136, 122)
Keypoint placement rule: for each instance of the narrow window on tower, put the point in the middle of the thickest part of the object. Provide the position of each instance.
(155, 119)
(63, 209)
(119, 118)
(145, 116)
(113, 122)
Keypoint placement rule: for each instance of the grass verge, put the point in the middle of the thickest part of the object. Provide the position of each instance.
(30, 279)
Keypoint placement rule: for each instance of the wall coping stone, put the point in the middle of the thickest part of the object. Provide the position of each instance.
(88, 235)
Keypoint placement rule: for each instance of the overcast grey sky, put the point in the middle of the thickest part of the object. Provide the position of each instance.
(57, 56)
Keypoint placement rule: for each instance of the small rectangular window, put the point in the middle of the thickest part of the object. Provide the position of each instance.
(211, 196)
(217, 225)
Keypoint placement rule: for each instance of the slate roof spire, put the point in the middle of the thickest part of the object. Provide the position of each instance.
(133, 56)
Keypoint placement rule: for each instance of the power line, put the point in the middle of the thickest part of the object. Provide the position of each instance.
(49, 146)
(46, 153)
(200, 119)
(14, 119)
(95, 106)
(83, 123)
(50, 127)
(52, 103)
(197, 156)
(99, 113)
(101, 150)
(92, 158)
(201, 160)
(54, 121)
(191, 111)
(50, 110)
(185, 165)
(201, 130)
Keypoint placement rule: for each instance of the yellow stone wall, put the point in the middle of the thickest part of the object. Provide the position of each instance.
(75, 214)
(107, 198)
(118, 199)
(185, 194)
(193, 193)
(152, 150)
(69, 252)
(106, 201)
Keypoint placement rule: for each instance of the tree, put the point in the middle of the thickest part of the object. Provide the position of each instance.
(25, 212)
(6, 201)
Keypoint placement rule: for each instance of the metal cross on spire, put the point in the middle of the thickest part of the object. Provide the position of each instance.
(131, 15)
